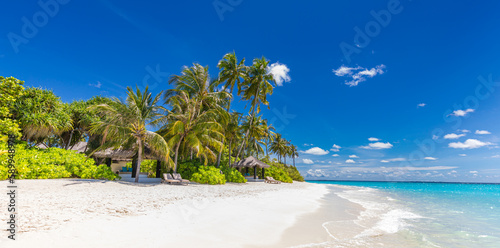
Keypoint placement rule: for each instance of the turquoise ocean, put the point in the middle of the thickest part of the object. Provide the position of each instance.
(409, 214)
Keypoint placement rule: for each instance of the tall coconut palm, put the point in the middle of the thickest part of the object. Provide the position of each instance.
(278, 146)
(231, 73)
(257, 85)
(195, 92)
(190, 124)
(232, 132)
(294, 153)
(124, 124)
(258, 133)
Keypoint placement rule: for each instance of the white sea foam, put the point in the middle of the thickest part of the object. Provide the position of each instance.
(378, 217)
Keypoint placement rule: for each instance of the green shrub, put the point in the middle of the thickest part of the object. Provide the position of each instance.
(291, 171)
(52, 163)
(208, 175)
(233, 175)
(278, 174)
(188, 168)
(147, 166)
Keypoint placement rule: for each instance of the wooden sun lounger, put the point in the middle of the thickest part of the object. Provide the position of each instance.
(271, 180)
(178, 176)
(167, 178)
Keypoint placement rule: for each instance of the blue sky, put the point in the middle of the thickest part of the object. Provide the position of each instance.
(442, 54)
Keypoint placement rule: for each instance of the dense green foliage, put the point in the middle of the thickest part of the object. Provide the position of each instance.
(147, 166)
(193, 121)
(233, 175)
(41, 114)
(290, 171)
(35, 163)
(10, 91)
(278, 174)
(208, 175)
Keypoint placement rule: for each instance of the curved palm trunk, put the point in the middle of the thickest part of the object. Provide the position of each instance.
(176, 155)
(70, 138)
(293, 161)
(218, 158)
(285, 159)
(229, 165)
(139, 160)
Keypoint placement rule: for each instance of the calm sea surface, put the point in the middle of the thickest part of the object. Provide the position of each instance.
(399, 214)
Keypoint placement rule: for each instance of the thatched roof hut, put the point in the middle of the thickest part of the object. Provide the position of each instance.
(250, 162)
(126, 154)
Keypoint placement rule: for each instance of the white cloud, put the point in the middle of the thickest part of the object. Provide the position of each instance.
(393, 160)
(469, 144)
(308, 144)
(280, 73)
(473, 172)
(373, 139)
(317, 173)
(464, 130)
(353, 156)
(97, 85)
(378, 146)
(453, 136)
(335, 155)
(495, 156)
(461, 113)
(335, 148)
(350, 161)
(316, 151)
(430, 158)
(358, 74)
(307, 161)
(462, 155)
(344, 70)
(421, 105)
(482, 132)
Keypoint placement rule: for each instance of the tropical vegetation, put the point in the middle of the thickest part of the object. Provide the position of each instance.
(191, 125)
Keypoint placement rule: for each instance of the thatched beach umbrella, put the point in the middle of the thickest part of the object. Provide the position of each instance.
(251, 162)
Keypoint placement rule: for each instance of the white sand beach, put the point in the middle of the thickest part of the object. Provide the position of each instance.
(95, 213)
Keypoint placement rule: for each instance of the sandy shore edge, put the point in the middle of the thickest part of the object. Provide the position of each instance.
(83, 213)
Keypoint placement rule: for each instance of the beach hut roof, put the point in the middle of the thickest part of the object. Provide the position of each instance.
(125, 154)
(78, 147)
(250, 162)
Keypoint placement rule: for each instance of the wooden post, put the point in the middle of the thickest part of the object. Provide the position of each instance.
(158, 169)
(263, 173)
(246, 170)
(108, 162)
(255, 172)
(134, 167)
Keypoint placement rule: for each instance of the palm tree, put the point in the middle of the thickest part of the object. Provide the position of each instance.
(257, 85)
(124, 124)
(198, 130)
(258, 133)
(286, 149)
(231, 73)
(277, 146)
(294, 153)
(196, 104)
(232, 132)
